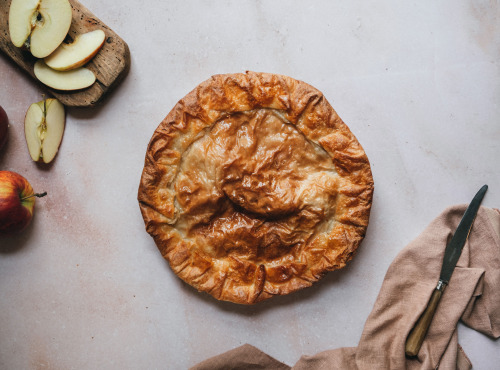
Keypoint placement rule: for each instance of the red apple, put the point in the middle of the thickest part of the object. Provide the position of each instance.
(17, 201)
(4, 124)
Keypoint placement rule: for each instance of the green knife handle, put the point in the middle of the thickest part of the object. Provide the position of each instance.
(417, 334)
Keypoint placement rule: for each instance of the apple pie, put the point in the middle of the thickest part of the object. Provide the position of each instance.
(254, 187)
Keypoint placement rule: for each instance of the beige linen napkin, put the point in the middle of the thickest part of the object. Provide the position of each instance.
(473, 296)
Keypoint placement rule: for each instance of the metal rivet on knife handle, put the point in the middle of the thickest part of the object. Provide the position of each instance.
(450, 259)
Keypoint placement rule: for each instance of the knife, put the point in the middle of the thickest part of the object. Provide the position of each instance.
(450, 259)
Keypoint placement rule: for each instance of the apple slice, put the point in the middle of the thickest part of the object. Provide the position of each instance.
(74, 79)
(76, 54)
(22, 19)
(44, 128)
(43, 24)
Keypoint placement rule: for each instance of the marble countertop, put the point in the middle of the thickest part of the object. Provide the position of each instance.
(84, 287)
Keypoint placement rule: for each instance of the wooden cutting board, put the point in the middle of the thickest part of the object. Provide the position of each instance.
(110, 65)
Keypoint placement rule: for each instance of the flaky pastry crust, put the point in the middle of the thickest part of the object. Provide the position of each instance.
(254, 187)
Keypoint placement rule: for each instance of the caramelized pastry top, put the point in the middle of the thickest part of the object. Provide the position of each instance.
(253, 187)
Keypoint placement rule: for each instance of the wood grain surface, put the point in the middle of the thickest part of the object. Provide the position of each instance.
(110, 65)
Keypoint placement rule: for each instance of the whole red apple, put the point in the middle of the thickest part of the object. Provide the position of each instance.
(4, 128)
(17, 201)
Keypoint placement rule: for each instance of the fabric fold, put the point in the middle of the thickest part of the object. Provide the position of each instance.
(472, 296)
(245, 357)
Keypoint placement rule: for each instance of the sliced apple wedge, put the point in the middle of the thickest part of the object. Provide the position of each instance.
(22, 19)
(76, 54)
(74, 79)
(44, 128)
(43, 24)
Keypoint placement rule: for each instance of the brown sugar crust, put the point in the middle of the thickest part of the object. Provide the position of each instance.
(254, 187)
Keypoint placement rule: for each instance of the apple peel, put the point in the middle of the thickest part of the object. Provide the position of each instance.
(17, 202)
(4, 128)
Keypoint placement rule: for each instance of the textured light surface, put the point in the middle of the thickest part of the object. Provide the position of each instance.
(85, 287)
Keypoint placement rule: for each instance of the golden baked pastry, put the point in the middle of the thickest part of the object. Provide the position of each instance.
(254, 187)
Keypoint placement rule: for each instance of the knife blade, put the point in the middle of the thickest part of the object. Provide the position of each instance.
(451, 255)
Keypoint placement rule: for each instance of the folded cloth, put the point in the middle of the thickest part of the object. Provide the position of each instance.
(472, 296)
